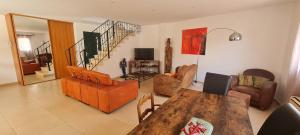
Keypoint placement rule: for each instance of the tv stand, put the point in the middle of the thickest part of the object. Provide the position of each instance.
(145, 67)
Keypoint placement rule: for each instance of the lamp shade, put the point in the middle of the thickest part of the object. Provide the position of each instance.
(235, 36)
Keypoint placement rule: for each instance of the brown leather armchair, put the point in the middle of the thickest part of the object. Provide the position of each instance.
(261, 98)
(169, 85)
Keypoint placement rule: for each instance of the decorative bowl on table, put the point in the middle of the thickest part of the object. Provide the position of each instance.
(197, 126)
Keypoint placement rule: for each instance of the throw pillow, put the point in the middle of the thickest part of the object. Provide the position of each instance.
(258, 81)
(181, 72)
(245, 80)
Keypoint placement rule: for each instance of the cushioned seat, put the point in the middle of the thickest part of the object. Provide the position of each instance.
(89, 94)
(98, 90)
(245, 97)
(73, 88)
(115, 96)
(255, 93)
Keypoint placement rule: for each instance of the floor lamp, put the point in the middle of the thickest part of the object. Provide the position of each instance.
(235, 36)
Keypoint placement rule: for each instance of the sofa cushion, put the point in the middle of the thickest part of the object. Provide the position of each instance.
(258, 81)
(255, 93)
(78, 72)
(75, 72)
(245, 80)
(101, 78)
(114, 97)
(89, 93)
(182, 71)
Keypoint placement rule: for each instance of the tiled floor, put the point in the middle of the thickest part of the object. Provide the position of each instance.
(41, 109)
(31, 79)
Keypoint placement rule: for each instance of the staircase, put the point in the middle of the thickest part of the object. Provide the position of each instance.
(108, 35)
(43, 54)
(44, 57)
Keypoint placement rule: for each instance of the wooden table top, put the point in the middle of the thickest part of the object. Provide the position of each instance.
(228, 115)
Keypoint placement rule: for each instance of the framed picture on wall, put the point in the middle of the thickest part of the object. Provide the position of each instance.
(194, 41)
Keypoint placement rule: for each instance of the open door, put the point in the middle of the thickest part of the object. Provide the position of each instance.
(62, 38)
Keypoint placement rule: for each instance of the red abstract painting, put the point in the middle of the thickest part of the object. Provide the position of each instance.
(194, 41)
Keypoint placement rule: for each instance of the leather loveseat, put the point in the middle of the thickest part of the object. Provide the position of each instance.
(260, 97)
(98, 90)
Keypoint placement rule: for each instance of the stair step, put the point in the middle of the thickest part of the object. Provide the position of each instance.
(44, 69)
(41, 74)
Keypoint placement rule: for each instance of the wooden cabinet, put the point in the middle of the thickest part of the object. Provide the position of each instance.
(144, 66)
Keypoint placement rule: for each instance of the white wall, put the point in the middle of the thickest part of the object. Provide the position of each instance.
(147, 38)
(7, 68)
(265, 39)
(124, 50)
(79, 28)
(37, 39)
(265, 34)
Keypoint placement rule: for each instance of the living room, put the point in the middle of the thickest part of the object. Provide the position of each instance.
(269, 40)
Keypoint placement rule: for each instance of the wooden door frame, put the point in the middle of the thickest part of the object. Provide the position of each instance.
(14, 47)
(14, 44)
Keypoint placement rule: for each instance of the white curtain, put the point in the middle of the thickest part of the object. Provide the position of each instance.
(293, 88)
(24, 44)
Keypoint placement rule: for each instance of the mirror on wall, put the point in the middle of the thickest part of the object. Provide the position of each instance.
(35, 51)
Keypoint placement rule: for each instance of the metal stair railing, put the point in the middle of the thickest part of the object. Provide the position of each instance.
(43, 52)
(75, 51)
(107, 41)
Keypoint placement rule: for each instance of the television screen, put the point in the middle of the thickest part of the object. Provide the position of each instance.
(144, 53)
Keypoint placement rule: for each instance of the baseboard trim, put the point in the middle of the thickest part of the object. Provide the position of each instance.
(7, 84)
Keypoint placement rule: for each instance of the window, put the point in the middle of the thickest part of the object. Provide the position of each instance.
(24, 44)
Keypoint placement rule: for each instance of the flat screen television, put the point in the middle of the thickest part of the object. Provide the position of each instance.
(144, 53)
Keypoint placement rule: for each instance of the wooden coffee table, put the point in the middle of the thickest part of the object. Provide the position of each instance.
(228, 115)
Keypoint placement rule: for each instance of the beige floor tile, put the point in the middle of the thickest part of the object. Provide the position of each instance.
(109, 127)
(63, 130)
(5, 128)
(39, 126)
(43, 109)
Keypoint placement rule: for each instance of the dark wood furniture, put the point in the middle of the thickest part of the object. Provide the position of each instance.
(216, 83)
(285, 120)
(142, 101)
(228, 115)
(144, 66)
(295, 101)
(245, 97)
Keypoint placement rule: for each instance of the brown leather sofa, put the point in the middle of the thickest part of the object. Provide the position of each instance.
(261, 98)
(169, 85)
(98, 90)
(30, 67)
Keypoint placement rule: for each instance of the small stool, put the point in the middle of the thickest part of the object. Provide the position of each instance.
(239, 95)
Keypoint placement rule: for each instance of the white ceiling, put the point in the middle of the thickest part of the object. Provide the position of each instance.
(135, 11)
(27, 24)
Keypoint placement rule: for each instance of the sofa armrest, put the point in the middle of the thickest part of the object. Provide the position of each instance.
(114, 96)
(165, 85)
(268, 91)
(234, 81)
